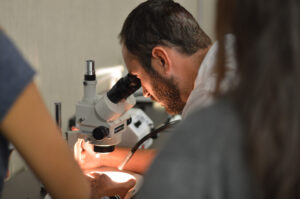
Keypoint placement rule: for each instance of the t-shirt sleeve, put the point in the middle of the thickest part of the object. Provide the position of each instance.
(15, 74)
(204, 159)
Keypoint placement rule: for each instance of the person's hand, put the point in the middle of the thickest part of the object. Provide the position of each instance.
(85, 155)
(102, 185)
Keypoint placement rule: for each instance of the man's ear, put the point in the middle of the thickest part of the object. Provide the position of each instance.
(161, 59)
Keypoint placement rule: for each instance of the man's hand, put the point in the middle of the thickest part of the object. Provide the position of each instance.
(85, 155)
(102, 185)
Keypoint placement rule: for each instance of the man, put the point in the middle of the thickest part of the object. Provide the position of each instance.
(163, 45)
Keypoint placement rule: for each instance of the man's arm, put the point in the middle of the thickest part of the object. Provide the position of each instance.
(139, 163)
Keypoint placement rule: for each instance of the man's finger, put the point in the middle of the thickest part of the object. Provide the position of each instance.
(130, 183)
(82, 144)
(101, 178)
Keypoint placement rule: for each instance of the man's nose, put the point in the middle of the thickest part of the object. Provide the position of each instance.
(146, 93)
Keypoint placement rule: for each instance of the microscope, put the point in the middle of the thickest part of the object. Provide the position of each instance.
(101, 119)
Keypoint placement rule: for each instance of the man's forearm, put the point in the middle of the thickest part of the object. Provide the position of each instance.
(139, 163)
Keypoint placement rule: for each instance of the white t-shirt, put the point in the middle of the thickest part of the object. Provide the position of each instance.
(202, 94)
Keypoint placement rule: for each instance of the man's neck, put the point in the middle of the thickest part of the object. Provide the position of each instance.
(196, 61)
(199, 57)
(189, 72)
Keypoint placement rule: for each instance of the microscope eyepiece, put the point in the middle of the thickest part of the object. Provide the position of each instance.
(123, 88)
(90, 71)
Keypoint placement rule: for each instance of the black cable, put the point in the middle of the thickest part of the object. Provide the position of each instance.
(153, 134)
(150, 135)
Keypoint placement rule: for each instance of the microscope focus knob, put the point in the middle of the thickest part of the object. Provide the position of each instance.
(100, 132)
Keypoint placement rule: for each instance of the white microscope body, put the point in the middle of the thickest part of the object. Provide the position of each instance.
(101, 120)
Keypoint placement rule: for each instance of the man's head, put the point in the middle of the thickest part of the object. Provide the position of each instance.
(156, 37)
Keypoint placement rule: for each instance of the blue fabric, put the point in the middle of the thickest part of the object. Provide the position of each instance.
(15, 74)
(4, 153)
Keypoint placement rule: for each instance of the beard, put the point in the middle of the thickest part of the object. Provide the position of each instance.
(167, 93)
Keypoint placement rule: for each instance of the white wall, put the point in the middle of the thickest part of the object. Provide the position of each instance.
(57, 36)
(206, 16)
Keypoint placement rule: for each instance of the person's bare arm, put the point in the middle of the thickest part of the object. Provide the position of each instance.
(30, 128)
(139, 163)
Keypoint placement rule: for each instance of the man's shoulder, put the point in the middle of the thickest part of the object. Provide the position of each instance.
(206, 144)
(218, 119)
(205, 82)
(211, 56)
